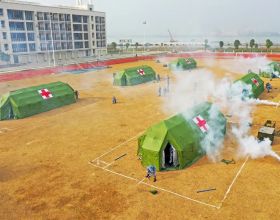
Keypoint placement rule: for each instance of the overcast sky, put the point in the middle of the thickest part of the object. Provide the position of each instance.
(186, 17)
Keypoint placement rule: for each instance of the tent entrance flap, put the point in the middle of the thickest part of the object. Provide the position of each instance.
(169, 157)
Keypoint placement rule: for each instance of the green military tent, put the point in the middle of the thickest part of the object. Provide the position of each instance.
(272, 70)
(134, 76)
(176, 142)
(33, 100)
(252, 85)
(184, 64)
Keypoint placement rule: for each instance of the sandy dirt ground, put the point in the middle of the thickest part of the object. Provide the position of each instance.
(45, 171)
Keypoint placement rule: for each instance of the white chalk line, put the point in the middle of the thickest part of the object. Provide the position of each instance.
(233, 181)
(114, 148)
(141, 181)
(31, 142)
(156, 187)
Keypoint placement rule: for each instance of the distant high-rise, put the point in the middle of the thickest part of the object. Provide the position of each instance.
(34, 33)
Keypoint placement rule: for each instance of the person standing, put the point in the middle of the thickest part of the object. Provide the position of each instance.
(151, 171)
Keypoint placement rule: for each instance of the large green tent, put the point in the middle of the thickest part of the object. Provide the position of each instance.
(176, 142)
(272, 70)
(134, 76)
(184, 64)
(33, 100)
(254, 85)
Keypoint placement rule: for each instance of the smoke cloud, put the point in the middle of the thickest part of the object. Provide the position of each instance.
(192, 88)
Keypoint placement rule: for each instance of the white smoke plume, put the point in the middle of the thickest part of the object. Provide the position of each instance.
(191, 88)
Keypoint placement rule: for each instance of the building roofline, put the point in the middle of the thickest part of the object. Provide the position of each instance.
(41, 5)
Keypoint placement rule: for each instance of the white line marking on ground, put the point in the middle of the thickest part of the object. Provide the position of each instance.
(101, 161)
(156, 187)
(114, 148)
(141, 181)
(109, 164)
(179, 195)
(31, 142)
(233, 181)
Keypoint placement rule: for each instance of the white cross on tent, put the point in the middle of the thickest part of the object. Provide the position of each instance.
(45, 93)
(141, 72)
(201, 123)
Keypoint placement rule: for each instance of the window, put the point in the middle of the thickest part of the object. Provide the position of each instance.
(4, 35)
(77, 18)
(29, 26)
(29, 15)
(78, 36)
(69, 46)
(85, 27)
(40, 15)
(97, 19)
(67, 17)
(17, 48)
(91, 18)
(85, 36)
(16, 26)
(31, 37)
(1, 12)
(79, 45)
(64, 45)
(6, 46)
(15, 14)
(2, 24)
(93, 43)
(61, 17)
(77, 27)
(32, 47)
(17, 37)
(85, 19)
(92, 26)
(86, 44)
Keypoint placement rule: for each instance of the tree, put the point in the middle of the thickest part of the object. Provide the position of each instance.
(236, 44)
(221, 43)
(127, 46)
(136, 45)
(256, 46)
(205, 44)
(268, 43)
(252, 43)
(114, 46)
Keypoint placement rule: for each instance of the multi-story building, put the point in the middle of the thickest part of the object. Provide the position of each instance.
(33, 33)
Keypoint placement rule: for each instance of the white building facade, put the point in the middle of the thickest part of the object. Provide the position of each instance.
(33, 33)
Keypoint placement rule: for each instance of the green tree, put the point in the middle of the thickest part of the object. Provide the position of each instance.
(114, 46)
(136, 45)
(221, 43)
(236, 44)
(268, 43)
(252, 43)
(127, 46)
(205, 44)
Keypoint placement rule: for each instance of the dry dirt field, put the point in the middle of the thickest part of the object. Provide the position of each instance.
(45, 169)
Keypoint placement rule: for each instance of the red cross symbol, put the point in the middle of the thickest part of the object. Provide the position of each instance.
(45, 93)
(201, 123)
(256, 82)
(141, 72)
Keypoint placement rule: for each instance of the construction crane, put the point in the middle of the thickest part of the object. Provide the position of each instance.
(171, 37)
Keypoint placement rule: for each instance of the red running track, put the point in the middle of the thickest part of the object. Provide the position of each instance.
(52, 70)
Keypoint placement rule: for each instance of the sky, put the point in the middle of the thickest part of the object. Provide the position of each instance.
(186, 17)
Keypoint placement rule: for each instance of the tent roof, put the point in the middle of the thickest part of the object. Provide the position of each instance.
(178, 129)
(132, 72)
(31, 95)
